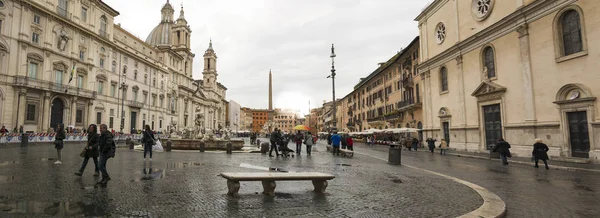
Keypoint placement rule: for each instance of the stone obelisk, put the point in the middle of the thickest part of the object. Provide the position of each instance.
(270, 91)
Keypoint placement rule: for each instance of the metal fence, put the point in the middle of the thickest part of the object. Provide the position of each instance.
(71, 137)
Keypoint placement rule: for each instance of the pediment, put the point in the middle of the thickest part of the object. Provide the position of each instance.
(488, 88)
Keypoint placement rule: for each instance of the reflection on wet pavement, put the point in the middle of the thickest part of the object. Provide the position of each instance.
(6, 163)
(61, 209)
(6, 178)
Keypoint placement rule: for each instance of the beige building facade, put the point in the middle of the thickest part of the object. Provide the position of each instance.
(117, 78)
(389, 97)
(518, 70)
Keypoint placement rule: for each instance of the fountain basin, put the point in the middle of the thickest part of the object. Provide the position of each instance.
(194, 144)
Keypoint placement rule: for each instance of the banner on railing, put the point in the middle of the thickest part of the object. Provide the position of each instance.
(71, 137)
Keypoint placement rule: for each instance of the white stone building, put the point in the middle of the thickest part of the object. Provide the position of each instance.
(117, 78)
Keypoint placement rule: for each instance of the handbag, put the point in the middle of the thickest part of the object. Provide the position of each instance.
(508, 154)
(82, 154)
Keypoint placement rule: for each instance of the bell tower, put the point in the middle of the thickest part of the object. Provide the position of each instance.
(210, 68)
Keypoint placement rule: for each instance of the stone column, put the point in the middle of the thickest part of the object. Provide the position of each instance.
(90, 115)
(462, 115)
(22, 107)
(73, 111)
(46, 112)
(525, 55)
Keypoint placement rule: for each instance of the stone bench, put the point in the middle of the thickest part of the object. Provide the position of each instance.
(319, 180)
(347, 153)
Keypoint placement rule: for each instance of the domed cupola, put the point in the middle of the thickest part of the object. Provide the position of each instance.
(161, 34)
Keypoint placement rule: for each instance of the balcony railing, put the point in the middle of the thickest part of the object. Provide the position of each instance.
(135, 104)
(374, 119)
(408, 104)
(28, 82)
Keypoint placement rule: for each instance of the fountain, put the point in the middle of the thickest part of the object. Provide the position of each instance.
(200, 138)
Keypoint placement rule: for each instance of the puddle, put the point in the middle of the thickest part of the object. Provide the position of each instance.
(6, 163)
(62, 209)
(152, 174)
(344, 165)
(394, 179)
(184, 165)
(47, 159)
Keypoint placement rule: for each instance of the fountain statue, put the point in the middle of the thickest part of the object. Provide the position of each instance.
(174, 134)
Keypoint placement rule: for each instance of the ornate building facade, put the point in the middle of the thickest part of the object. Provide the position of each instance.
(65, 61)
(518, 70)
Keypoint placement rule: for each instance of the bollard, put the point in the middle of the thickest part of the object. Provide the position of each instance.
(229, 148)
(202, 146)
(24, 139)
(168, 148)
(129, 143)
(264, 147)
(394, 155)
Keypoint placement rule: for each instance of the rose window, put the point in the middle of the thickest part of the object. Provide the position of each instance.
(440, 32)
(481, 9)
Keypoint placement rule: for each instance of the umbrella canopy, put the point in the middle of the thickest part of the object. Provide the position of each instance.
(302, 127)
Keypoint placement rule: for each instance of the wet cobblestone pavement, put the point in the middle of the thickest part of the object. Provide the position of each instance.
(185, 184)
(527, 191)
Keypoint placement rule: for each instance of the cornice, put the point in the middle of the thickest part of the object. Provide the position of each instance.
(430, 10)
(506, 25)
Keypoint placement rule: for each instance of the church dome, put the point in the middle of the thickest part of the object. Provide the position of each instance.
(160, 35)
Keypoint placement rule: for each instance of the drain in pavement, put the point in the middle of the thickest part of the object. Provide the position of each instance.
(344, 165)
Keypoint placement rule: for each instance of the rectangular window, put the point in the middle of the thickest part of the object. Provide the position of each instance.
(161, 103)
(99, 118)
(154, 101)
(79, 116)
(81, 55)
(36, 19)
(84, 14)
(160, 124)
(35, 38)
(112, 112)
(110, 122)
(100, 87)
(102, 63)
(30, 113)
(145, 98)
(113, 90)
(59, 77)
(80, 81)
(33, 68)
(135, 94)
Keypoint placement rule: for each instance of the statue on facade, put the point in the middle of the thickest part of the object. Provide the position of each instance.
(63, 39)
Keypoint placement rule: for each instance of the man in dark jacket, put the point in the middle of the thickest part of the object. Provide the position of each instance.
(503, 148)
(90, 151)
(275, 138)
(431, 144)
(107, 150)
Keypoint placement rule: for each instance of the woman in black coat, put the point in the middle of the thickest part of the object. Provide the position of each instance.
(90, 150)
(540, 152)
(148, 140)
(59, 143)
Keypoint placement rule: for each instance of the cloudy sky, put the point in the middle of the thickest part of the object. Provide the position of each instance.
(291, 37)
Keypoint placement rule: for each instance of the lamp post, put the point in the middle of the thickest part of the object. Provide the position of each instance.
(334, 122)
(124, 93)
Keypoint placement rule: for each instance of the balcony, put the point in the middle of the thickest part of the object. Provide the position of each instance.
(134, 104)
(408, 104)
(375, 119)
(22, 81)
(407, 82)
(394, 116)
(350, 123)
(103, 33)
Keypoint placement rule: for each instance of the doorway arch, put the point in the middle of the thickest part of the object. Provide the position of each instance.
(57, 113)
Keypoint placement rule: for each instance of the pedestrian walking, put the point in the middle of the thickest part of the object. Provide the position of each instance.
(309, 141)
(275, 137)
(107, 148)
(335, 143)
(148, 140)
(344, 141)
(59, 142)
(298, 139)
(329, 139)
(443, 147)
(90, 151)
(350, 143)
(415, 143)
(431, 144)
(540, 152)
(503, 148)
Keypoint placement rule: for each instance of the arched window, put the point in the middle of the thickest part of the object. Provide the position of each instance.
(488, 61)
(444, 79)
(571, 32)
(103, 26)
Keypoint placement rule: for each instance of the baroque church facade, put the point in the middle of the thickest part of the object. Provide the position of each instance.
(64, 61)
(517, 70)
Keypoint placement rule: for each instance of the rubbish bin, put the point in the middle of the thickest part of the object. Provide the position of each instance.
(202, 146)
(395, 152)
(493, 154)
(168, 148)
(24, 139)
(229, 148)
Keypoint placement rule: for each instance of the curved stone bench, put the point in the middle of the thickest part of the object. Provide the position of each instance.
(319, 180)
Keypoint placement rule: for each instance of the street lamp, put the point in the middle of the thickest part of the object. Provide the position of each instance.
(123, 92)
(334, 122)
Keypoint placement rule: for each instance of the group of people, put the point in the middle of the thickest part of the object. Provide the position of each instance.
(336, 141)
(3, 130)
(100, 146)
(283, 140)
